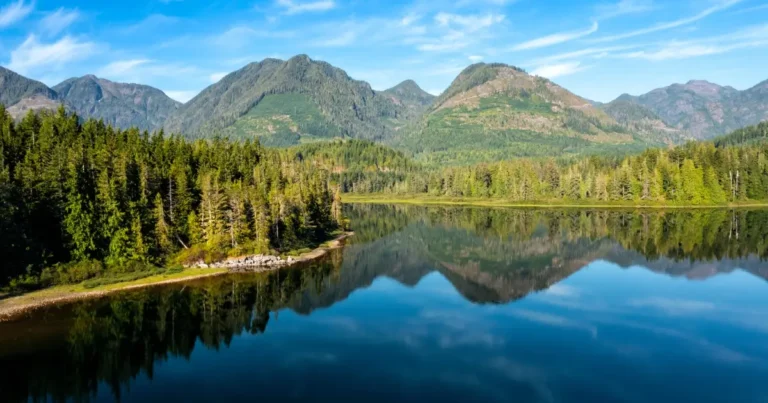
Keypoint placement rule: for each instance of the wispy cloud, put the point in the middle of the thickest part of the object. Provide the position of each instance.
(623, 7)
(555, 39)
(685, 50)
(61, 19)
(343, 39)
(14, 12)
(750, 37)
(142, 70)
(475, 58)
(32, 54)
(216, 77)
(241, 36)
(674, 306)
(751, 9)
(150, 23)
(723, 5)
(181, 96)
(596, 53)
(558, 70)
(121, 67)
(294, 7)
(470, 23)
(454, 32)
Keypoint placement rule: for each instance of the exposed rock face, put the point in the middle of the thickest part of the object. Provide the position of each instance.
(118, 104)
(704, 109)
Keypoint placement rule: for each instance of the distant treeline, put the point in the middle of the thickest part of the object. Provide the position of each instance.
(85, 199)
(731, 169)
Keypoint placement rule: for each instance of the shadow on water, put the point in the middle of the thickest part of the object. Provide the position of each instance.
(489, 256)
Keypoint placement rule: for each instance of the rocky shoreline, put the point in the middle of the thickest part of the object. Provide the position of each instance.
(243, 263)
(15, 308)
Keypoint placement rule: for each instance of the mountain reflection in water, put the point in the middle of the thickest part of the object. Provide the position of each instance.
(557, 305)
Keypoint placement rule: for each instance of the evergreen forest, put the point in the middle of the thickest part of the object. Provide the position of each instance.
(83, 201)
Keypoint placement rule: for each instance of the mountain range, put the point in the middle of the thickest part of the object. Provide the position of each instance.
(489, 112)
(118, 104)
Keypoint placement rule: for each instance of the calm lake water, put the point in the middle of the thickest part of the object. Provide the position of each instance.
(436, 304)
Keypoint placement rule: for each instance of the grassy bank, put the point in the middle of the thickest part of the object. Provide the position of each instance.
(487, 202)
(15, 307)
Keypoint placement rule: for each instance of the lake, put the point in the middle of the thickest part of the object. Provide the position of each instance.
(436, 304)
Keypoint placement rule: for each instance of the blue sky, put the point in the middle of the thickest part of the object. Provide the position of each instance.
(597, 49)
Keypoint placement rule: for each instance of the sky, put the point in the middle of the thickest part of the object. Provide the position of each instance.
(598, 49)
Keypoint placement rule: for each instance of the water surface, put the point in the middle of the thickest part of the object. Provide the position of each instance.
(455, 304)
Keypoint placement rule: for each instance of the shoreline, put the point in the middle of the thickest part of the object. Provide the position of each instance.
(15, 308)
(479, 202)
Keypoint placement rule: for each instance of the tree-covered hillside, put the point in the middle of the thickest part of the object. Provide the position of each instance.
(81, 201)
(643, 123)
(747, 135)
(731, 169)
(494, 112)
(289, 102)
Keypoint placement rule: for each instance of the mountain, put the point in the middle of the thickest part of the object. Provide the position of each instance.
(289, 102)
(118, 104)
(642, 122)
(410, 95)
(706, 110)
(495, 111)
(20, 94)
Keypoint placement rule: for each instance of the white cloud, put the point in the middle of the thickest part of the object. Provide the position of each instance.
(442, 46)
(558, 70)
(141, 70)
(14, 12)
(469, 23)
(674, 306)
(339, 40)
(562, 290)
(555, 39)
(241, 36)
(151, 23)
(750, 37)
(588, 52)
(409, 19)
(58, 21)
(32, 54)
(751, 9)
(294, 7)
(216, 77)
(121, 68)
(623, 7)
(475, 58)
(687, 50)
(181, 96)
(722, 5)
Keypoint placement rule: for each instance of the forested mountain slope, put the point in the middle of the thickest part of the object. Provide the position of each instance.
(289, 102)
(410, 95)
(643, 122)
(495, 111)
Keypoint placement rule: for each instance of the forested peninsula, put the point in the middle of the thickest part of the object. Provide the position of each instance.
(84, 202)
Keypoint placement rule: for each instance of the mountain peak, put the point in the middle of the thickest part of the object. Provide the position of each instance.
(409, 93)
(121, 105)
(283, 102)
(703, 87)
(15, 88)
